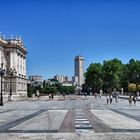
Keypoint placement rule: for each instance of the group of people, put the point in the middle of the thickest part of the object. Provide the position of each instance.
(109, 98)
(132, 99)
(112, 95)
(98, 94)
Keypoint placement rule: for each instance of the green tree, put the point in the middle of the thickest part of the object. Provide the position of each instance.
(93, 77)
(133, 73)
(112, 70)
(124, 80)
(67, 89)
(30, 90)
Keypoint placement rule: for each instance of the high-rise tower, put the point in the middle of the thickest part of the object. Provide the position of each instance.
(79, 69)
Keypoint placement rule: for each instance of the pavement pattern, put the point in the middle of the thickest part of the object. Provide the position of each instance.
(75, 118)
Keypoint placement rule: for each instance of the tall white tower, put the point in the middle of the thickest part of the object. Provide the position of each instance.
(79, 69)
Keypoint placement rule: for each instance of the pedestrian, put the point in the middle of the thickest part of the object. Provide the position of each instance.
(111, 98)
(101, 92)
(64, 95)
(38, 94)
(116, 97)
(107, 99)
(52, 95)
(85, 94)
(95, 94)
(134, 99)
(130, 100)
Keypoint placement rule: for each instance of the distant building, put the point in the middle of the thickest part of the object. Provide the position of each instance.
(52, 81)
(79, 69)
(67, 83)
(13, 61)
(36, 80)
(75, 80)
(61, 78)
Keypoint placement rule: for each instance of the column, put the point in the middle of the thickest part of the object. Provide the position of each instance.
(18, 64)
(22, 65)
(0, 57)
(25, 66)
(11, 60)
(15, 60)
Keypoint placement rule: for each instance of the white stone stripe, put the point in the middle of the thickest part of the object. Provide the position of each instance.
(83, 125)
(81, 119)
(83, 122)
(115, 120)
(83, 130)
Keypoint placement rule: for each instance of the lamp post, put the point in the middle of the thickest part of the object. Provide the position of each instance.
(2, 72)
(12, 72)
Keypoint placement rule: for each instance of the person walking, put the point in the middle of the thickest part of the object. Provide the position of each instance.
(101, 92)
(64, 95)
(95, 94)
(134, 99)
(130, 100)
(52, 95)
(111, 98)
(107, 99)
(38, 94)
(85, 94)
(116, 97)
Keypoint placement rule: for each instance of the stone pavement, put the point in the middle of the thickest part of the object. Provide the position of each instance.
(75, 118)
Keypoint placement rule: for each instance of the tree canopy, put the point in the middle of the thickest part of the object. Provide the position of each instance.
(112, 74)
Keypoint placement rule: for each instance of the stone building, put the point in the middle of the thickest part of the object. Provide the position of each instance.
(61, 78)
(36, 80)
(79, 70)
(13, 61)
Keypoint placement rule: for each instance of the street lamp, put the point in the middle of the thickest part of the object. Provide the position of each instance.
(2, 72)
(12, 72)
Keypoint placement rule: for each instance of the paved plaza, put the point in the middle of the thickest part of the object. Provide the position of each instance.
(75, 118)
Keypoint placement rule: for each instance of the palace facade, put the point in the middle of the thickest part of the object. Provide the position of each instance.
(13, 61)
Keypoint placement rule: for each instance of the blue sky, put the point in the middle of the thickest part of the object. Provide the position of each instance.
(55, 31)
